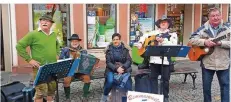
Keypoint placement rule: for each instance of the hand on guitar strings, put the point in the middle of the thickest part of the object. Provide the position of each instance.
(209, 43)
(159, 39)
(139, 45)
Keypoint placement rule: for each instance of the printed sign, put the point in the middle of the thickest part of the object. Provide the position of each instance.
(133, 96)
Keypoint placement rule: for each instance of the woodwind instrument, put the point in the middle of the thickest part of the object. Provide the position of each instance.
(74, 52)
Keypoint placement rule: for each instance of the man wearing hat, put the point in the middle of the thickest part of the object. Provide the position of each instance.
(44, 49)
(163, 36)
(73, 52)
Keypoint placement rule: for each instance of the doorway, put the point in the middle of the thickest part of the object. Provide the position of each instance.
(2, 46)
(176, 13)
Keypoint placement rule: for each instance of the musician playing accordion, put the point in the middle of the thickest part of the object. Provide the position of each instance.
(163, 36)
(74, 51)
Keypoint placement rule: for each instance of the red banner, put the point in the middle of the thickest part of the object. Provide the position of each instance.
(143, 8)
(49, 6)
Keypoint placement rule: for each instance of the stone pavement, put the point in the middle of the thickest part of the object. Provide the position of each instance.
(179, 92)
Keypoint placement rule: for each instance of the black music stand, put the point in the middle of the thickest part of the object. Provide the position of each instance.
(55, 71)
(168, 51)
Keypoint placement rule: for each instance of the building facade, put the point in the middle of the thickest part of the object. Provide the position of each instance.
(95, 23)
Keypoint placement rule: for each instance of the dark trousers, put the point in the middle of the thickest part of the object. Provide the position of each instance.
(223, 78)
(155, 72)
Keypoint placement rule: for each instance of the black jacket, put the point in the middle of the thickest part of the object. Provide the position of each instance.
(125, 60)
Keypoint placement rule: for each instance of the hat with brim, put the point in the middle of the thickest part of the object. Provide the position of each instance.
(74, 37)
(46, 17)
(164, 18)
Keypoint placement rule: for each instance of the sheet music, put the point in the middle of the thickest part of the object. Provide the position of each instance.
(60, 60)
(158, 60)
(62, 67)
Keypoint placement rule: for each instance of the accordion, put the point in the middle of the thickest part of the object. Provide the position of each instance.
(87, 64)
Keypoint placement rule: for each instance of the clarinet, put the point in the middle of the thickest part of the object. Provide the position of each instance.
(74, 52)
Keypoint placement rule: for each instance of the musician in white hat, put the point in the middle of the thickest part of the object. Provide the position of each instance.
(163, 36)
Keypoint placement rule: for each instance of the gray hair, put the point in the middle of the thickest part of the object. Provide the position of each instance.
(213, 9)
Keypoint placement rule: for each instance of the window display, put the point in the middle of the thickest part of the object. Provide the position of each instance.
(176, 13)
(101, 24)
(142, 18)
(60, 14)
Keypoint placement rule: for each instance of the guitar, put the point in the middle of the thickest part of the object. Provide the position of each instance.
(197, 52)
(152, 41)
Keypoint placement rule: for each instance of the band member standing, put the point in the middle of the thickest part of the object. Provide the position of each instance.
(44, 49)
(74, 51)
(163, 25)
(219, 60)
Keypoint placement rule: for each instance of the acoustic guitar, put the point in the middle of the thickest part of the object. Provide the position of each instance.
(151, 40)
(196, 53)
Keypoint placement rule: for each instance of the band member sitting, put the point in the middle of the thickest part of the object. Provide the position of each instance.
(74, 51)
(118, 64)
(163, 37)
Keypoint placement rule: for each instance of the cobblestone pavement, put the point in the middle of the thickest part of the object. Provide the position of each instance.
(179, 92)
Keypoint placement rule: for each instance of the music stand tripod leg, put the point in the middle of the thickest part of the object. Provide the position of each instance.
(162, 74)
(57, 88)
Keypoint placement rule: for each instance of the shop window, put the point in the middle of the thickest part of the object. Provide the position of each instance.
(2, 45)
(142, 18)
(229, 17)
(101, 24)
(61, 16)
(205, 8)
(176, 13)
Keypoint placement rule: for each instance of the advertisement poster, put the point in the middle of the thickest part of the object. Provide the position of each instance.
(91, 34)
(146, 24)
(39, 10)
(99, 34)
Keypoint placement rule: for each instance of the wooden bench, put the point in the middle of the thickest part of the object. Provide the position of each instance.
(99, 73)
(186, 71)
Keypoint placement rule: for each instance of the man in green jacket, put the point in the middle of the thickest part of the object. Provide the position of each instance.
(44, 49)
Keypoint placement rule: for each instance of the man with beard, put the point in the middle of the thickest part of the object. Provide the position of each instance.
(74, 51)
(44, 49)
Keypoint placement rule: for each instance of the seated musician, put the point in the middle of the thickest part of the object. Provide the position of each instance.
(118, 66)
(74, 51)
(161, 38)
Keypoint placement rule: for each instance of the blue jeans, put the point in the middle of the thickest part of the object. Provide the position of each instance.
(109, 83)
(223, 78)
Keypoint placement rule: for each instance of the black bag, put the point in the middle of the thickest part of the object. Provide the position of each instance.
(12, 92)
(143, 83)
(28, 93)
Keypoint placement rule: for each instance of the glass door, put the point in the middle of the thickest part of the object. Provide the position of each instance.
(2, 47)
(176, 13)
